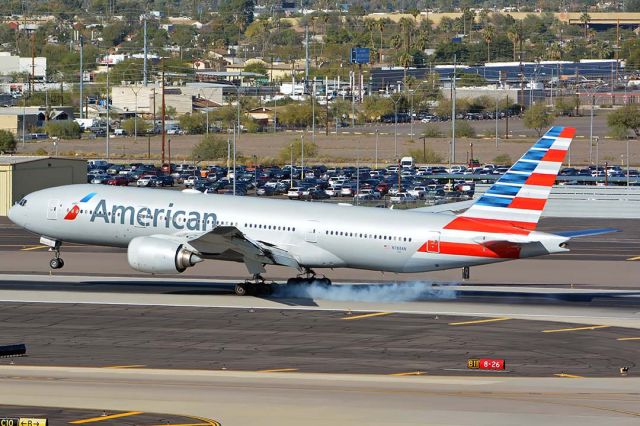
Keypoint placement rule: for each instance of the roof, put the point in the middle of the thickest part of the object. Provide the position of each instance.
(19, 159)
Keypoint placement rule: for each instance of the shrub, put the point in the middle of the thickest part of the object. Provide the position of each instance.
(63, 129)
(431, 131)
(7, 141)
(210, 148)
(427, 156)
(502, 159)
(465, 130)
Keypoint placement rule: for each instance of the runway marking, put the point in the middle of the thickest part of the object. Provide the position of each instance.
(126, 366)
(480, 321)
(102, 418)
(375, 314)
(628, 338)
(569, 376)
(634, 258)
(33, 248)
(278, 370)
(409, 373)
(592, 327)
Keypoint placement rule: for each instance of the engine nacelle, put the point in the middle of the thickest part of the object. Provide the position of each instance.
(160, 256)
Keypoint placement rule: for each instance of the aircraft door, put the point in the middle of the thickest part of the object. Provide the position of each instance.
(311, 231)
(52, 209)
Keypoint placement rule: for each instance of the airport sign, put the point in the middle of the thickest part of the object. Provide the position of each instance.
(360, 55)
(486, 364)
(22, 421)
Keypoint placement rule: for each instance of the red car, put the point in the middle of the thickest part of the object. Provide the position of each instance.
(118, 181)
(382, 188)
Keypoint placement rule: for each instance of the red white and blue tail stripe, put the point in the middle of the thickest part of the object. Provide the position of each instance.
(515, 202)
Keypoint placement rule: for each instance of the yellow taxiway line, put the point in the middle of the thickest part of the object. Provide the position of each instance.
(126, 366)
(591, 327)
(569, 376)
(33, 248)
(479, 321)
(634, 258)
(628, 338)
(278, 370)
(409, 373)
(375, 314)
(102, 418)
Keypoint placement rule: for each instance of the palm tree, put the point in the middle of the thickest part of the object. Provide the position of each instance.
(405, 60)
(381, 29)
(488, 34)
(514, 37)
(406, 26)
(585, 19)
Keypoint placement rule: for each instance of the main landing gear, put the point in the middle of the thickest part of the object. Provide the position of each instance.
(309, 277)
(465, 273)
(255, 287)
(54, 246)
(259, 287)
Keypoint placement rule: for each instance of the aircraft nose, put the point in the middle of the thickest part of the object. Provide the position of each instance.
(12, 214)
(16, 215)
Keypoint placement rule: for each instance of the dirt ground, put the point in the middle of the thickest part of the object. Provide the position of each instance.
(334, 149)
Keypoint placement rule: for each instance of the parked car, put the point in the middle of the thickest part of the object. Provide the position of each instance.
(118, 180)
(402, 197)
(147, 181)
(165, 180)
(294, 193)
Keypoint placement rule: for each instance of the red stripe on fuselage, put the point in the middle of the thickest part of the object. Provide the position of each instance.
(498, 250)
(556, 155)
(540, 179)
(498, 226)
(528, 203)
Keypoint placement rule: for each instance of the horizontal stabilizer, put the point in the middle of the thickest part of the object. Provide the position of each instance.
(586, 232)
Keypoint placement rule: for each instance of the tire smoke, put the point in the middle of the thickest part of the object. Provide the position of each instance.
(393, 292)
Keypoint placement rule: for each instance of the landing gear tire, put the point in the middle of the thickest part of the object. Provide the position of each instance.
(241, 289)
(56, 263)
(465, 273)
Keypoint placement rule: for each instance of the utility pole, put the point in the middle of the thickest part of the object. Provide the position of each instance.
(144, 73)
(163, 114)
(108, 112)
(306, 55)
(453, 113)
(81, 77)
(33, 61)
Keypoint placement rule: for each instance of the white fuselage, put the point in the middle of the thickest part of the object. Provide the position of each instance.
(315, 234)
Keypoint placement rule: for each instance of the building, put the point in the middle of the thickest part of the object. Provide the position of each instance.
(144, 99)
(11, 118)
(10, 64)
(20, 176)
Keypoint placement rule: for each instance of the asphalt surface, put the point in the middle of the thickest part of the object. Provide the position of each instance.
(59, 416)
(311, 341)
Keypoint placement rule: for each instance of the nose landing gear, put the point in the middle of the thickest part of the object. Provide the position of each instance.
(54, 246)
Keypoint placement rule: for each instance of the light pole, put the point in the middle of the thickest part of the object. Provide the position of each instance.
(377, 148)
(234, 160)
(302, 156)
(411, 111)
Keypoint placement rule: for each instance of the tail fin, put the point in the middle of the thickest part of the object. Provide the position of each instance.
(517, 199)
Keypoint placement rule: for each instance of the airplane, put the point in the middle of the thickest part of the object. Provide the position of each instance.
(168, 232)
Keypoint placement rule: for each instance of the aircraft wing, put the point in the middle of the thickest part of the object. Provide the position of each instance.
(586, 232)
(229, 243)
(443, 208)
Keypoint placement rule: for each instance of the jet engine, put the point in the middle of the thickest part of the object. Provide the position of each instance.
(160, 255)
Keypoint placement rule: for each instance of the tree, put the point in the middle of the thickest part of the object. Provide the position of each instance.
(310, 150)
(585, 19)
(513, 34)
(488, 34)
(195, 123)
(625, 119)
(131, 125)
(63, 129)
(7, 142)
(256, 67)
(537, 118)
(210, 148)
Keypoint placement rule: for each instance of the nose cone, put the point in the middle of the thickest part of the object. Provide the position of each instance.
(15, 215)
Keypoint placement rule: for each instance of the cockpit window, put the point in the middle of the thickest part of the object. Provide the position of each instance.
(23, 202)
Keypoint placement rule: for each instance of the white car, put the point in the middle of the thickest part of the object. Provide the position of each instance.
(294, 193)
(190, 181)
(368, 193)
(333, 190)
(418, 191)
(402, 197)
(347, 191)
